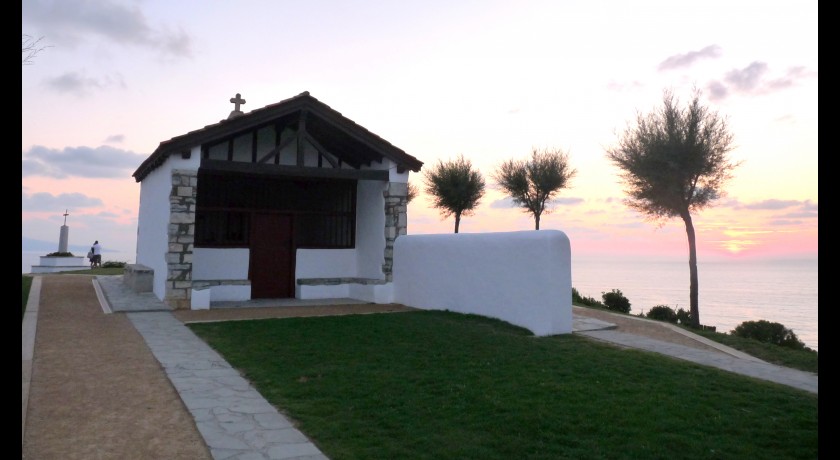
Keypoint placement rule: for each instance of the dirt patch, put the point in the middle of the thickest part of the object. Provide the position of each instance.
(96, 390)
(239, 313)
(648, 328)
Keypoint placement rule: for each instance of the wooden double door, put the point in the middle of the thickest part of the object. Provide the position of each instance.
(272, 256)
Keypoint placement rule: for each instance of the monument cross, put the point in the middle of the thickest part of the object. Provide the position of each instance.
(237, 101)
(64, 236)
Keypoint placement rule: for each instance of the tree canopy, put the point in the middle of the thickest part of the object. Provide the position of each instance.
(532, 183)
(455, 187)
(412, 192)
(675, 161)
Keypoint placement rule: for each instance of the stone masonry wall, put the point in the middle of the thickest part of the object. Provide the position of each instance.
(396, 222)
(181, 238)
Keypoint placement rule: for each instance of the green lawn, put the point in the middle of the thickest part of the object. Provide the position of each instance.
(804, 360)
(432, 385)
(27, 285)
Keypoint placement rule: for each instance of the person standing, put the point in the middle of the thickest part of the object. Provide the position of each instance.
(97, 254)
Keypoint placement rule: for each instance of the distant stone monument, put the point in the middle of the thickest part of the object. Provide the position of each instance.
(61, 261)
(65, 234)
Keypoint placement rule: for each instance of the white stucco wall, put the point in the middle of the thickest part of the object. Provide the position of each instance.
(325, 263)
(524, 278)
(375, 293)
(370, 229)
(391, 167)
(153, 217)
(220, 263)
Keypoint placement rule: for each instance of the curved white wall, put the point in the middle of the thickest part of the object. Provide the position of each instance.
(524, 278)
(152, 226)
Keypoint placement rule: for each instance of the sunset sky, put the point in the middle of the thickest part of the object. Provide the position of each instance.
(488, 79)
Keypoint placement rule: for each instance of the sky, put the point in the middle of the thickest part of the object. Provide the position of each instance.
(490, 80)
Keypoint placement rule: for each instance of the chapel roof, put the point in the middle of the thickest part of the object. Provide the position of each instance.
(333, 129)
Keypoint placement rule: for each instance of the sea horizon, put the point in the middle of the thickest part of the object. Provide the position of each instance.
(782, 290)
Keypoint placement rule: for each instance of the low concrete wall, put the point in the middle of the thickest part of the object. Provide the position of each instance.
(52, 264)
(524, 278)
(138, 277)
(224, 290)
(366, 289)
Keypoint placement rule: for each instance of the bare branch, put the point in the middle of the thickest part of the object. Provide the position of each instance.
(30, 47)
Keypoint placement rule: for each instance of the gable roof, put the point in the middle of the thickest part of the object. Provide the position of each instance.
(332, 130)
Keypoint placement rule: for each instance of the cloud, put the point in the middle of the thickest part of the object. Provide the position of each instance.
(772, 204)
(753, 79)
(748, 78)
(80, 85)
(99, 162)
(793, 75)
(808, 206)
(801, 215)
(784, 222)
(75, 22)
(567, 201)
(115, 139)
(48, 202)
(687, 59)
(507, 202)
(503, 203)
(717, 90)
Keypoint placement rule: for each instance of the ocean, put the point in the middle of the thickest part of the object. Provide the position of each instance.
(781, 291)
(731, 292)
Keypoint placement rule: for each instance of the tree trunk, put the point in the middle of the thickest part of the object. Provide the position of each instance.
(692, 268)
(457, 221)
(536, 221)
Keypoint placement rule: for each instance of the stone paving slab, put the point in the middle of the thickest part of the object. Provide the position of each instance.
(234, 419)
(754, 368)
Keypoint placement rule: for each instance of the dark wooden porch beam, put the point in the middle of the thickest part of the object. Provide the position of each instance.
(301, 136)
(276, 150)
(321, 149)
(293, 171)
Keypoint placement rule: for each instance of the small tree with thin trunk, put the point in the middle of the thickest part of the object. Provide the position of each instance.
(455, 187)
(534, 182)
(412, 192)
(673, 161)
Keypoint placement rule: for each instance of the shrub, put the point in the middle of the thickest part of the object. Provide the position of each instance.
(683, 316)
(615, 300)
(576, 298)
(662, 313)
(768, 332)
(112, 264)
(60, 254)
(588, 301)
